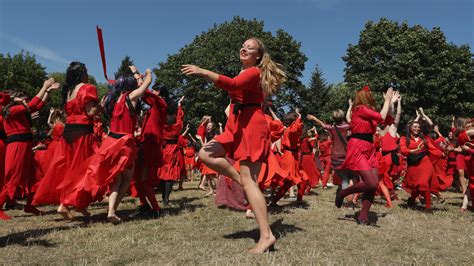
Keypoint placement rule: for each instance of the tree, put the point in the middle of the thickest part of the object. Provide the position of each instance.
(124, 67)
(217, 50)
(314, 97)
(428, 71)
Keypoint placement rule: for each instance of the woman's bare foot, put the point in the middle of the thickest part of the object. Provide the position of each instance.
(65, 213)
(210, 193)
(263, 245)
(114, 219)
(249, 214)
(202, 188)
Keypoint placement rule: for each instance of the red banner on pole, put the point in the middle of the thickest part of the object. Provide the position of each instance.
(102, 52)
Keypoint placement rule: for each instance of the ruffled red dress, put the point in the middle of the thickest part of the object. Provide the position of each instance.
(117, 153)
(441, 179)
(53, 147)
(290, 160)
(308, 164)
(173, 157)
(201, 131)
(361, 153)
(189, 156)
(469, 162)
(77, 145)
(246, 135)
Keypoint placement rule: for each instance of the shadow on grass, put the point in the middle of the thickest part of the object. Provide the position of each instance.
(279, 229)
(28, 238)
(373, 217)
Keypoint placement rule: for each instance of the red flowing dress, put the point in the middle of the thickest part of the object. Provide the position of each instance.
(418, 177)
(308, 164)
(441, 180)
(201, 131)
(53, 147)
(289, 160)
(173, 158)
(246, 135)
(117, 153)
(463, 138)
(3, 147)
(361, 153)
(77, 145)
(20, 178)
(325, 157)
(190, 156)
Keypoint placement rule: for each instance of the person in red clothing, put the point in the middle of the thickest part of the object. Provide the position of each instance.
(360, 148)
(325, 144)
(190, 158)
(20, 178)
(308, 165)
(111, 168)
(78, 143)
(466, 142)
(205, 133)
(246, 138)
(56, 121)
(4, 100)
(173, 158)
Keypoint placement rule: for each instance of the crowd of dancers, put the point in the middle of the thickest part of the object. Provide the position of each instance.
(144, 145)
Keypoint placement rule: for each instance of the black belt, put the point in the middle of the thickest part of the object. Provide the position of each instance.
(366, 137)
(394, 154)
(73, 131)
(171, 141)
(115, 135)
(239, 106)
(19, 138)
(3, 135)
(290, 149)
(306, 153)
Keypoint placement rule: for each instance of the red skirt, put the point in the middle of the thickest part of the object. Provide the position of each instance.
(173, 163)
(94, 176)
(418, 177)
(208, 171)
(441, 180)
(360, 156)
(20, 178)
(271, 173)
(189, 162)
(309, 167)
(289, 163)
(246, 135)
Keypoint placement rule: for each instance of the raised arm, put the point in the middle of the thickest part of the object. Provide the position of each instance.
(315, 119)
(426, 117)
(389, 97)
(137, 93)
(349, 111)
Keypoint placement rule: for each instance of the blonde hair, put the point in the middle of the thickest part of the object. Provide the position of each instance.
(272, 74)
(338, 116)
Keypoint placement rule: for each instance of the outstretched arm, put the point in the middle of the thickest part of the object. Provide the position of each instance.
(349, 111)
(137, 93)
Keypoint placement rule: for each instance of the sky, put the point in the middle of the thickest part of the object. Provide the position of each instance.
(60, 31)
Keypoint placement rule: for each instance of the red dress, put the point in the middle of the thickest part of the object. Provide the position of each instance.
(173, 158)
(53, 147)
(308, 165)
(19, 158)
(77, 144)
(3, 147)
(325, 157)
(462, 139)
(117, 153)
(418, 177)
(289, 159)
(441, 180)
(201, 131)
(361, 153)
(246, 135)
(190, 156)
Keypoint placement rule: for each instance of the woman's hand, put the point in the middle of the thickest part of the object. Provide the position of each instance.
(180, 101)
(189, 70)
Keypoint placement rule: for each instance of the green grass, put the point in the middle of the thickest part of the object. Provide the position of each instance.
(194, 231)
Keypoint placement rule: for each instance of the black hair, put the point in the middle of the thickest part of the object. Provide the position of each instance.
(75, 74)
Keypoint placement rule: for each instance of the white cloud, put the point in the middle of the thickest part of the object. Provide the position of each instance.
(37, 50)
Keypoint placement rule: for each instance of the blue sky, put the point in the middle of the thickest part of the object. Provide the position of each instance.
(59, 31)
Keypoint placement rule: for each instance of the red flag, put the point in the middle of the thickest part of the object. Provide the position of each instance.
(102, 52)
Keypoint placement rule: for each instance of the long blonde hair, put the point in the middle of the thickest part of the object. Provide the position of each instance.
(272, 74)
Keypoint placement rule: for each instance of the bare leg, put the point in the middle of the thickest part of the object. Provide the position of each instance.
(113, 197)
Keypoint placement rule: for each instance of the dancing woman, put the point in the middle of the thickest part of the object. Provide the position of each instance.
(246, 138)
(361, 150)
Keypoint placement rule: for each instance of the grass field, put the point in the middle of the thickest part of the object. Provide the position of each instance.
(194, 231)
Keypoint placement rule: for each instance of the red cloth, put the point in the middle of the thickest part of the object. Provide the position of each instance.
(3, 148)
(360, 153)
(113, 157)
(44, 158)
(289, 160)
(189, 156)
(246, 135)
(173, 157)
(338, 150)
(59, 179)
(307, 162)
(19, 158)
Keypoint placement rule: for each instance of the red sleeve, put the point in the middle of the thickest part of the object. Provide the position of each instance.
(463, 138)
(34, 105)
(276, 130)
(369, 114)
(294, 131)
(327, 126)
(403, 146)
(247, 79)
(433, 148)
(201, 131)
(88, 93)
(182, 141)
(179, 119)
(389, 120)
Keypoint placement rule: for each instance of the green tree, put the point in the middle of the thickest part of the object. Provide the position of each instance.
(218, 50)
(428, 71)
(314, 97)
(124, 67)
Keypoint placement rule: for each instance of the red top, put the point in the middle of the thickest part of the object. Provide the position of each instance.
(201, 130)
(76, 108)
(245, 88)
(306, 146)
(292, 134)
(123, 121)
(389, 143)
(171, 132)
(463, 138)
(414, 144)
(325, 148)
(276, 128)
(364, 120)
(155, 118)
(18, 121)
(57, 131)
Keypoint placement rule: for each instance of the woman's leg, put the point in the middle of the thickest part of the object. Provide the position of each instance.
(113, 197)
(368, 182)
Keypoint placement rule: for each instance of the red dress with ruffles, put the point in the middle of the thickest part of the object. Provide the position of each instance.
(20, 178)
(189, 156)
(308, 164)
(173, 158)
(418, 177)
(60, 178)
(53, 147)
(201, 131)
(361, 153)
(289, 160)
(441, 180)
(246, 135)
(463, 138)
(117, 153)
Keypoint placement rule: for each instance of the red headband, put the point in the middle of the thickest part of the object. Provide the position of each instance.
(366, 88)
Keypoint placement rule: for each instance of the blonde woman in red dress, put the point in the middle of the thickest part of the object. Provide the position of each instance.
(246, 138)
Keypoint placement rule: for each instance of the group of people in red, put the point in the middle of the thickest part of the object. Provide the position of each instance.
(147, 145)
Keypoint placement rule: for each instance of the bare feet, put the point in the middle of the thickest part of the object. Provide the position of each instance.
(114, 219)
(210, 193)
(263, 245)
(202, 188)
(249, 214)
